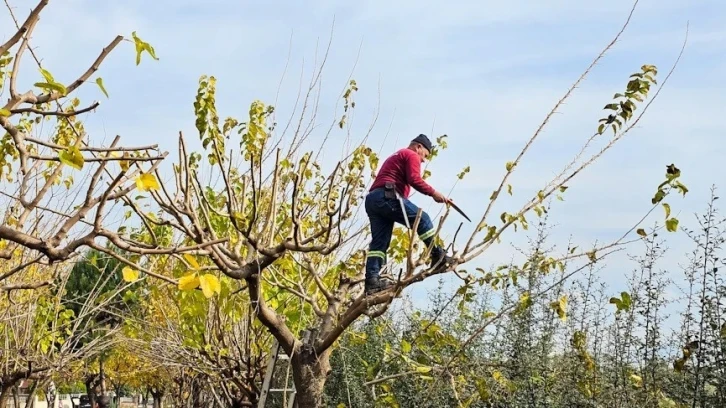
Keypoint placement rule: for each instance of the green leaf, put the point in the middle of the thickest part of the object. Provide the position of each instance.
(510, 166)
(641, 232)
(405, 346)
(667, 208)
(672, 224)
(423, 369)
(47, 75)
(627, 301)
(681, 187)
(142, 46)
(621, 304)
(99, 82)
(5, 112)
(659, 196)
(52, 86)
(612, 106)
(464, 172)
(601, 128)
(509, 189)
(72, 157)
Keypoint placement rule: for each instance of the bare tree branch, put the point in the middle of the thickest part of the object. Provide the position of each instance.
(50, 113)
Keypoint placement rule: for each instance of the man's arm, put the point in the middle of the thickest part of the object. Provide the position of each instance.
(413, 175)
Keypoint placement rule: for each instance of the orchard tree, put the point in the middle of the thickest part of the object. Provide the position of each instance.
(57, 188)
(42, 335)
(217, 339)
(44, 172)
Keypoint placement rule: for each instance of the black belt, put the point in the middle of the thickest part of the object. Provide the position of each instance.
(389, 191)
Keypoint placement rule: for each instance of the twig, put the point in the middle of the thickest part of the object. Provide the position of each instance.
(32, 18)
(25, 286)
(51, 113)
(543, 124)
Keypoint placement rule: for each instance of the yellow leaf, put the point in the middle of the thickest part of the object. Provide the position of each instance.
(124, 163)
(210, 285)
(189, 282)
(190, 259)
(672, 224)
(562, 308)
(146, 182)
(5, 112)
(637, 380)
(129, 274)
(72, 157)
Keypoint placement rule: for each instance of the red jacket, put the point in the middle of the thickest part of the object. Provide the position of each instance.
(404, 169)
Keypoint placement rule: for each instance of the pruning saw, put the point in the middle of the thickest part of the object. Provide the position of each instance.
(456, 207)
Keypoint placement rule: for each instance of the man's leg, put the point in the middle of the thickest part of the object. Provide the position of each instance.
(381, 231)
(426, 232)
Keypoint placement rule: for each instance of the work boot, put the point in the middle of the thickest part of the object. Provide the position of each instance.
(376, 284)
(439, 260)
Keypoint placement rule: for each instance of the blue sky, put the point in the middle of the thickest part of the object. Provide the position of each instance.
(485, 73)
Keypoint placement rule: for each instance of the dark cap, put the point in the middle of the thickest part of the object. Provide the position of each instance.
(423, 141)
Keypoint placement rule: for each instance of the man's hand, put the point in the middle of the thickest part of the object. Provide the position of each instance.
(440, 198)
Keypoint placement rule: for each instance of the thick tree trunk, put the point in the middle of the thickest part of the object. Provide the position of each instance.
(158, 398)
(310, 372)
(90, 390)
(117, 397)
(101, 398)
(50, 394)
(16, 395)
(30, 401)
(5, 391)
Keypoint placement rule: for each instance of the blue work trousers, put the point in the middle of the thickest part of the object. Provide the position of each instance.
(383, 213)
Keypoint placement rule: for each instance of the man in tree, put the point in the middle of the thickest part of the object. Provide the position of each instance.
(386, 203)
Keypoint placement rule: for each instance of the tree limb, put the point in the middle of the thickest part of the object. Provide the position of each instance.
(32, 19)
(57, 113)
